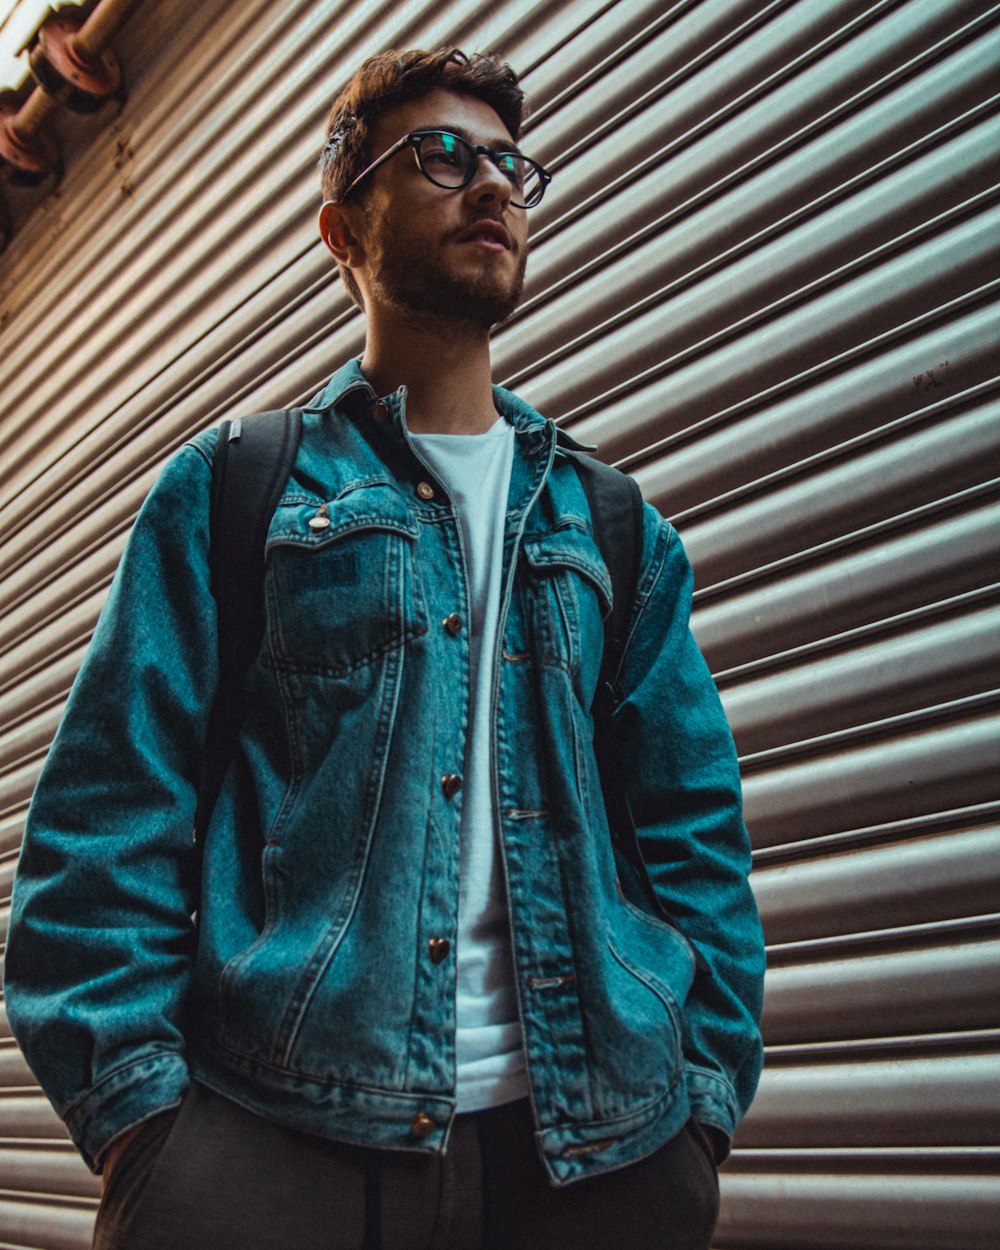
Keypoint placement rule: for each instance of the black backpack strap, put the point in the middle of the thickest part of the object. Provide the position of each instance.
(616, 518)
(253, 458)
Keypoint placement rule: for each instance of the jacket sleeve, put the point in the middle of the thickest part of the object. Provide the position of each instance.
(683, 785)
(102, 936)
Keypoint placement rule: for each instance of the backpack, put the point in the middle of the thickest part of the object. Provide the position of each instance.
(253, 458)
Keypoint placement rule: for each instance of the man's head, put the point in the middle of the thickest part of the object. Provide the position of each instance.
(397, 225)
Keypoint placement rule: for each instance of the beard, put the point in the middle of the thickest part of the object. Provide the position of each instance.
(424, 289)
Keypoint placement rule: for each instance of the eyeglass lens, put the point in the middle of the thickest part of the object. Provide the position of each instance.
(449, 161)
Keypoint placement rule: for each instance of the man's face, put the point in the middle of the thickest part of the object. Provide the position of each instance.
(424, 256)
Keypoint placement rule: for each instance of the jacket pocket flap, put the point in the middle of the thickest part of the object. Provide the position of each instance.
(570, 548)
(378, 506)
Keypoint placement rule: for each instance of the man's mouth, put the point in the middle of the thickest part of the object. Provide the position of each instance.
(490, 234)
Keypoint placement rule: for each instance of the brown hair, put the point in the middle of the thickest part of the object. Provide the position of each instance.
(391, 78)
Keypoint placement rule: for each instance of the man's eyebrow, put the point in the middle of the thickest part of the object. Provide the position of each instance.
(505, 144)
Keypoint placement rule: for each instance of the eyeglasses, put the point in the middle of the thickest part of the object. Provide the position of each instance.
(450, 161)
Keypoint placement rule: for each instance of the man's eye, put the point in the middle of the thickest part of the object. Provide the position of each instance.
(512, 168)
(441, 157)
(442, 151)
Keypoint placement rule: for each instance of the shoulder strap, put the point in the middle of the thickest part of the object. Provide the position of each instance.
(253, 458)
(616, 516)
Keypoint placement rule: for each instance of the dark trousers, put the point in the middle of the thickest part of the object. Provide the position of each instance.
(213, 1176)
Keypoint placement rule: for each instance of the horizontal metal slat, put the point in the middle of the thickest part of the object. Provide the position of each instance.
(30, 740)
(905, 988)
(52, 1225)
(29, 1114)
(834, 1210)
(953, 654)
(8, 866)
(721, 149)
(46, 1170)
(625, 33)
(927, 456)
(13, 1069)
(934, 1100)
(703, 222)
(913, 881)
(10, 834)
(17, 786)
(53, 655)
(908, 767)
(916, 560)
(282, 361)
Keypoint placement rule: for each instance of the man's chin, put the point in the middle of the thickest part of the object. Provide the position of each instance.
(462, 308)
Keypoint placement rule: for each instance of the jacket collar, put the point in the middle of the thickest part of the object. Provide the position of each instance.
(349, 381)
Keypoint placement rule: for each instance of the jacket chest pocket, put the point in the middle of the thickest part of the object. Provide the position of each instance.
(344, 589)
(567, 593)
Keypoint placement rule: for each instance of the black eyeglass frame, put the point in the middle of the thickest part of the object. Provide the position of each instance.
(415, 138)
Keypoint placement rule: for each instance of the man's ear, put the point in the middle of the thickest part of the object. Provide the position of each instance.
(335, 229)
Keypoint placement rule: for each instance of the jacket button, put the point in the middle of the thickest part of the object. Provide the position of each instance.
(422, 1125)
(380, 413)
(451, 783)
(438, 948)
(452, 623)
(425, 490)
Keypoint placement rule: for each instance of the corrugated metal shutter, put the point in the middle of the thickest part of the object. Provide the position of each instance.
(765, 281)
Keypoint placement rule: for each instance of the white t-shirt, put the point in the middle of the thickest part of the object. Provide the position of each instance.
(475, 469)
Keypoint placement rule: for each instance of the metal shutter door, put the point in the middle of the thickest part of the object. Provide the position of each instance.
(765, 281)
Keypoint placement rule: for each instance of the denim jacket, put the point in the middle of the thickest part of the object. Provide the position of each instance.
(301, 963)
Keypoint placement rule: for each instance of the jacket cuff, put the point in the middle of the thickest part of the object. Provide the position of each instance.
(713, 1106)
(124, 1098)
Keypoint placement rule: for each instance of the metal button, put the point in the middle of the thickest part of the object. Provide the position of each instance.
(380, 413)
(451, 783)
(320, 521)
(438, 949)
(425, 490)
(452, 623)
(422, 1125)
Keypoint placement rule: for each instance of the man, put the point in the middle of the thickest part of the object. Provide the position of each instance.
(419, 1006)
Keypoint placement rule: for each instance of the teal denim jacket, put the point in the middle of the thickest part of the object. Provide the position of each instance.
(289, 966)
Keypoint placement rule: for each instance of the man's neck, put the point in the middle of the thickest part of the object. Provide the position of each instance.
(447, 376)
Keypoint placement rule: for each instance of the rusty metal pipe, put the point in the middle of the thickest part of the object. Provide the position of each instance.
(72, 65)
(93, 36)
(27, 121)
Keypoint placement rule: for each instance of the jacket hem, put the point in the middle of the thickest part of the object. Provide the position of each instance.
(329, 1108)
(572, 1152)
(368, 1116)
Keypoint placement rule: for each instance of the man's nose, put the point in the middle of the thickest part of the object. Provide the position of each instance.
(488, 183)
